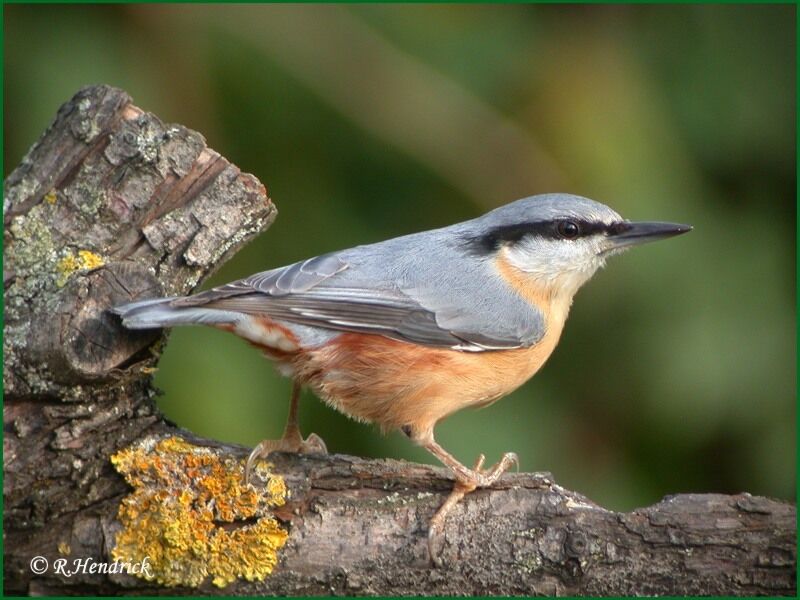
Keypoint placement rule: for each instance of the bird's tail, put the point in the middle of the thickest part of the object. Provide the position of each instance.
(159, 312)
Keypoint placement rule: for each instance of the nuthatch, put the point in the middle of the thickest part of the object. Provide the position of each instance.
(404, 332)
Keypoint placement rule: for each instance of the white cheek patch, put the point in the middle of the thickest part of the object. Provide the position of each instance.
(567, 265)
(259, 333)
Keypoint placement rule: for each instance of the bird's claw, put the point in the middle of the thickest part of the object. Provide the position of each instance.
(479, 462)
(436, 525)
(479, 477)
(466, 482)
(313, 444)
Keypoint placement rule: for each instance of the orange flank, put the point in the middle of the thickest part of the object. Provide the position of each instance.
(395, 384)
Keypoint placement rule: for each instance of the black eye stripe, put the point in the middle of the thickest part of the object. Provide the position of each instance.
(587, 228)
(551, 229)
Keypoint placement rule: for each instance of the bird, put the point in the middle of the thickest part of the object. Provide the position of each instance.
(404, 332)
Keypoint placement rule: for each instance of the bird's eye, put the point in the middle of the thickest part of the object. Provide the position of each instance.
(568, 230)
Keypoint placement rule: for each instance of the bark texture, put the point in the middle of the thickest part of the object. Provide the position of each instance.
(112, 205)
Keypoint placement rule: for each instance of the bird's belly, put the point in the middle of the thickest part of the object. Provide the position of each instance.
(394, 383)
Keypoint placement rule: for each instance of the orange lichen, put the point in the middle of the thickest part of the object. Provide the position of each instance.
(182, 493)
(90, 260)
(71, 263)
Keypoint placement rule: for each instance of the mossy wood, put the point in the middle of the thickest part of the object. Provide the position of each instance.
(112, 205)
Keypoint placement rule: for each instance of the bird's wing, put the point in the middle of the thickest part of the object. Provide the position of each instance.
(383, 290)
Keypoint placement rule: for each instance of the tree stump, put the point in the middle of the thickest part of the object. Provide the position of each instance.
(111, 205)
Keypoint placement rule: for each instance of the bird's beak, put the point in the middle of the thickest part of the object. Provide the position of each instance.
(633, 234)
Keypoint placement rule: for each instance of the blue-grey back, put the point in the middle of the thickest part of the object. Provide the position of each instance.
(431, 287)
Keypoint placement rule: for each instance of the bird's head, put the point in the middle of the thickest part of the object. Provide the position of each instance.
(559, 240)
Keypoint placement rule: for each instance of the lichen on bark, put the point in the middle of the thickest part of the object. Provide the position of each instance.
(183, 497)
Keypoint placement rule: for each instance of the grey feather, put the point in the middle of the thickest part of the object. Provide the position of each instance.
(424, 288)
(153, 314)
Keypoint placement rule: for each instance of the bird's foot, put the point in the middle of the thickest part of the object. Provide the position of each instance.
(313, 444)
(480, 477)
(467, 480)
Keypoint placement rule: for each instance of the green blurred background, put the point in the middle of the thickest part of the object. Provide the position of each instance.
(676, 371)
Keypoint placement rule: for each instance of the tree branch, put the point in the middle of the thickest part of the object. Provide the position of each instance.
(111, 205)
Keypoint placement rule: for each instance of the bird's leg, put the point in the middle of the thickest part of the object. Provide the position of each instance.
(291, 440)
(467, 480)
